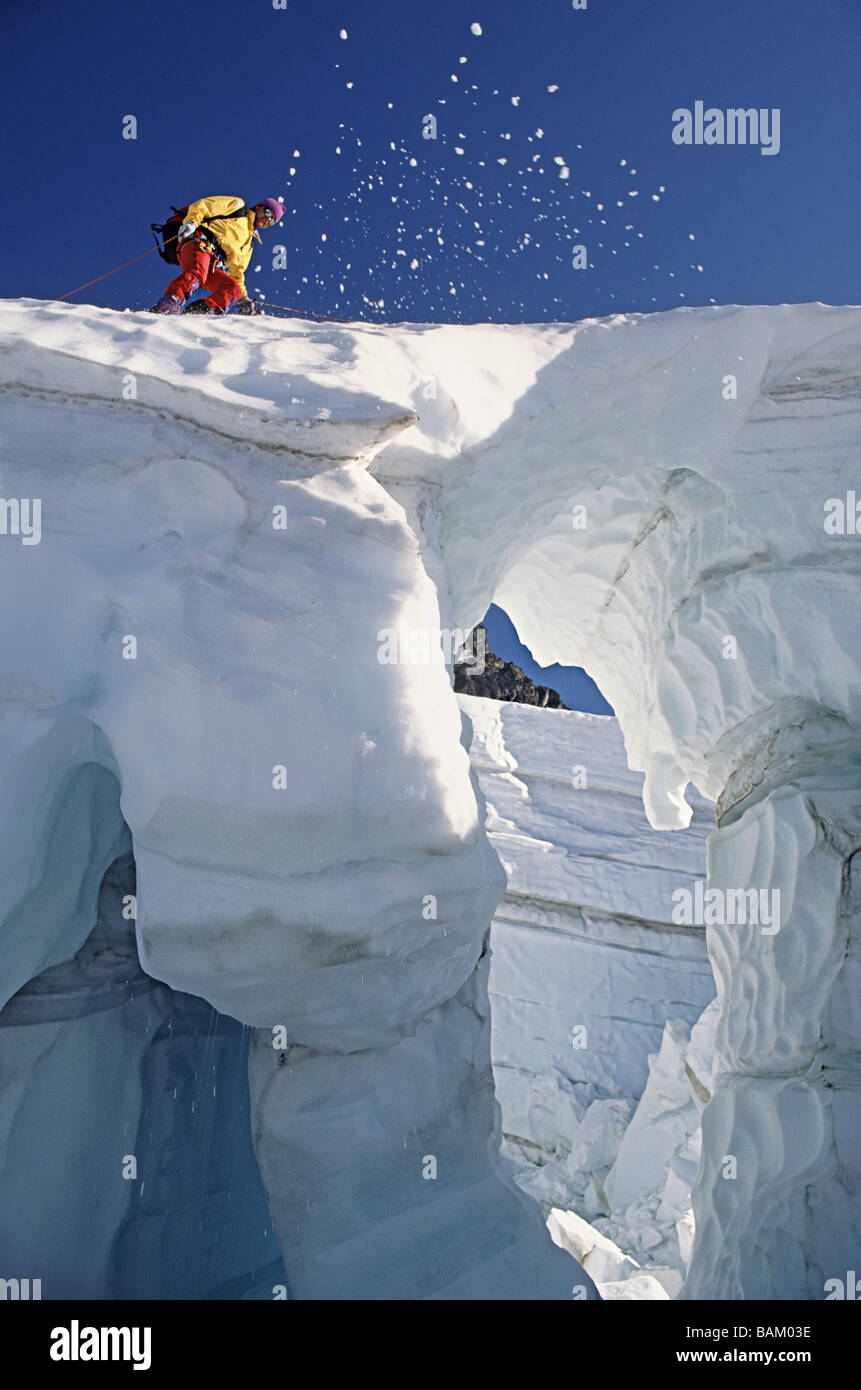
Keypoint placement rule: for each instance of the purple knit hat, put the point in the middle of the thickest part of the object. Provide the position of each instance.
(277, 208)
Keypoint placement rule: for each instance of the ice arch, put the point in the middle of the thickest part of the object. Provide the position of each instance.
(99, 1062)
(424, 472)
(653, 508)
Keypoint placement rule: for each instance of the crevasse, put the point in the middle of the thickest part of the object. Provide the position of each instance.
(230, 516)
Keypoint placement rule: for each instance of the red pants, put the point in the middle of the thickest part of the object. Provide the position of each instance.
(195, 259)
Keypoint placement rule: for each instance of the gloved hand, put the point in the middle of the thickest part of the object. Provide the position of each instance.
(186, 230)
(246, 306)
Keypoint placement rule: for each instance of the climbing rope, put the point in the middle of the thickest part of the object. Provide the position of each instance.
(264, 303)
(302, 313)
(69, 293)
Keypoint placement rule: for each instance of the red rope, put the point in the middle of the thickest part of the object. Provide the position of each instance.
(267, 304)
(69, 293)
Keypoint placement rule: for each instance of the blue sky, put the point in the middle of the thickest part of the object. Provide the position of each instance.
(247, 99)
(225, 92)
(577, 689)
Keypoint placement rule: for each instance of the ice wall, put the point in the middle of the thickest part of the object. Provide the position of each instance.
(596, 994)
(671, 504)
(201, 617)
(647, 496)
(126, 1164)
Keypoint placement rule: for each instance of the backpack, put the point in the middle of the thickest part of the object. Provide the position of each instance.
(169, 230)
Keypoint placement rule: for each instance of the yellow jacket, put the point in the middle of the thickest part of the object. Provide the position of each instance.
(235, 235)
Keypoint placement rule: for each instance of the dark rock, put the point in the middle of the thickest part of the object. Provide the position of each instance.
(500, 680)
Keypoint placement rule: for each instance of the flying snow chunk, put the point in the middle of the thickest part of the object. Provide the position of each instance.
(476, 29)
(515, 101)
(343, 33)
(554, 88)
(564, 172)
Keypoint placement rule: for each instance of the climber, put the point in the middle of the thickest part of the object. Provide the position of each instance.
(214, 247)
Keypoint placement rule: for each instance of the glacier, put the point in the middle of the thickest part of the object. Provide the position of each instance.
(603, 1009)
(231, 516)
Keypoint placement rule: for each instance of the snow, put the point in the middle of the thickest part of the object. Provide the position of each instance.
(460, 194)
(599, 1256)
(312, 843)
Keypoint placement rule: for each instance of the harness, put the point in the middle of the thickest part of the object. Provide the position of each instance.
(167, 231)
(212, 246)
